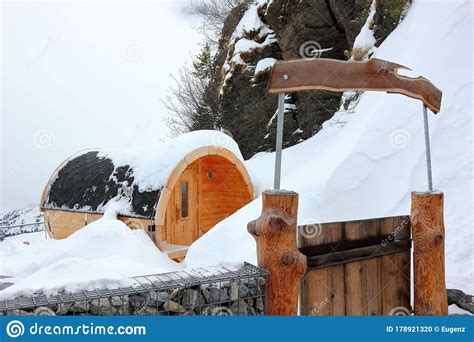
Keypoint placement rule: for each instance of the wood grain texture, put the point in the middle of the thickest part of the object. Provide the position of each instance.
(275, 234)
(356, 267)
(334, 75)
(429, 267)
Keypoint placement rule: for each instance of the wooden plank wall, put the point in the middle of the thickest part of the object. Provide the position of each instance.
(60, 223)
(363, 267)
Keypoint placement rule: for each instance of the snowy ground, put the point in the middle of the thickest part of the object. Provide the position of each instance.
(365, 168)
(102, 254)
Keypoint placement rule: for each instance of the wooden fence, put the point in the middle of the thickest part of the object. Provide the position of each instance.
(356, 267)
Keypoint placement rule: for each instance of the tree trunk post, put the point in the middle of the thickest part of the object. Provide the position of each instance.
(428, 239)
(277, 252)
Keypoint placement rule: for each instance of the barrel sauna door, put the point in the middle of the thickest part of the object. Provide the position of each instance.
(184, 209)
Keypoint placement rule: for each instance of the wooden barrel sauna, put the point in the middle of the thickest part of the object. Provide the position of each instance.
(206, 185)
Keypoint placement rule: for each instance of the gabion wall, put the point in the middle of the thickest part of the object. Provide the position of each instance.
(211, 292)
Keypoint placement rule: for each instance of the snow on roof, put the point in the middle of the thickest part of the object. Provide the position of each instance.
(368, 167)
(89, 180)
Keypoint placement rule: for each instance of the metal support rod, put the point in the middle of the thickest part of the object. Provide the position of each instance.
(279, 140)
(428, 149)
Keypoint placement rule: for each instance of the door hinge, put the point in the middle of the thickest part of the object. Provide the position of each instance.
(151, 227)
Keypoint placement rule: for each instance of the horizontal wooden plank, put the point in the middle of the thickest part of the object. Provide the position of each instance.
(357, 254)
(335, 75)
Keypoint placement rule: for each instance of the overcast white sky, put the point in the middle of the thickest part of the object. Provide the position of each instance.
(79, 75)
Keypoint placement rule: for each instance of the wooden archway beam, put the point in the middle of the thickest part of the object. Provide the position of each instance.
(334, 75)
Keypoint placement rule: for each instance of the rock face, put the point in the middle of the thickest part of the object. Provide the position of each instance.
(287, 29)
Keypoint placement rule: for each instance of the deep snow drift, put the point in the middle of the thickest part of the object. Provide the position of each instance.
(102, 254)
(368, 167)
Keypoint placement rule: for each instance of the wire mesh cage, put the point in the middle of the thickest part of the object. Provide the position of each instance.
(215, 291)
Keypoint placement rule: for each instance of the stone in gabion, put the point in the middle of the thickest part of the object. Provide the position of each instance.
(119, 300)
(218, 295)
(156, 298)
(63, 309)
(137, 301)
(101, 307)
(237, 291)
(205, 293)
(173, 307)
(79, 307)
(239, 307)
(190, 298)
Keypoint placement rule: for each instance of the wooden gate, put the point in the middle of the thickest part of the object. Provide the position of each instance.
(356, 267)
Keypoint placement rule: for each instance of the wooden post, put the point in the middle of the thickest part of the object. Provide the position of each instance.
(277, 252)
(428, 238)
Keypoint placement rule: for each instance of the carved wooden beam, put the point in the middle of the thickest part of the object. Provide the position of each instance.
(334, 75)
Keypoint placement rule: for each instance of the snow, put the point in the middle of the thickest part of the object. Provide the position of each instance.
(264, 64)
(104, 253)
(365, 40)
(250, 22)
(153, 163)
(15, 219)
(368, 167)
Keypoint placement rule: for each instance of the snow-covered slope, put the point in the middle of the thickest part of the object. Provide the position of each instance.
(368, 167)
(19, 221)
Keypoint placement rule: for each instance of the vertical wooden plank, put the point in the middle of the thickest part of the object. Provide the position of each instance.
(396, 267)
(322, 292)
(363, 279)
(363, 285)
(396, 283)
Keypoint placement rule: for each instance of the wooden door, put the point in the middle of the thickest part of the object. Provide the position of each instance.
(183, 211)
